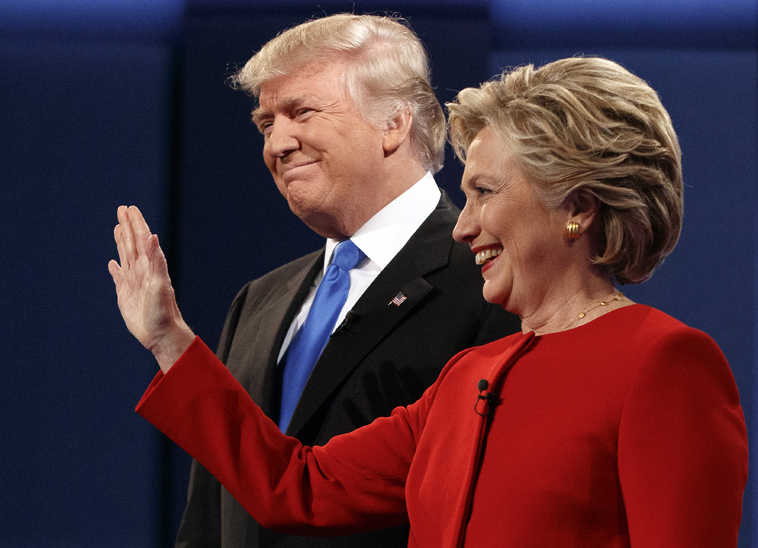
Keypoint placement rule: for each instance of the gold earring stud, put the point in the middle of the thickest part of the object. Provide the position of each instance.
(572, 231)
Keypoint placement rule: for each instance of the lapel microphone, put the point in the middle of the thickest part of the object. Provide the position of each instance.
(488, 407)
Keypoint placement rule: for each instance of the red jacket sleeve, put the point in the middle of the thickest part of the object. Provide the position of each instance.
(683, 446)
(355, 482)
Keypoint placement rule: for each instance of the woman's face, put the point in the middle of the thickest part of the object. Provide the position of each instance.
(514, 237)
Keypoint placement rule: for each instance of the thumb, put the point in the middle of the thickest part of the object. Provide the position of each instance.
(115, 271)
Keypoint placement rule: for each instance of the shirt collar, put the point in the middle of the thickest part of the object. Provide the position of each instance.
(385, 234)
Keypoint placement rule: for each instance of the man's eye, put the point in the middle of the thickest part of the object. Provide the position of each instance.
(304, 111)
(480, 190)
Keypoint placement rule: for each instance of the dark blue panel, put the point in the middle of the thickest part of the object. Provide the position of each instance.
(707, 282)
(637, 23)
(85, 128)
(752, 517)
(112, 19)
(307, 7)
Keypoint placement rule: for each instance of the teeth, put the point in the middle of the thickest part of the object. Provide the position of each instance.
(486, 254)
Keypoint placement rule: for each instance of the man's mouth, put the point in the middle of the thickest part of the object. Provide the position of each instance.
(291, 171)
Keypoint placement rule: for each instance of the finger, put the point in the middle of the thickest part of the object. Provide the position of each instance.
(158, 261)
(137, 213)
(115, 271)
(118, 236)
(127, 251)
(140, 230)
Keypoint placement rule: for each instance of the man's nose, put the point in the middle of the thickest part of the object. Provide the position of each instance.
(467, 227)
(281, 140)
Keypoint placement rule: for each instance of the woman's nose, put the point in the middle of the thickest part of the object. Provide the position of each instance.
(467, 227)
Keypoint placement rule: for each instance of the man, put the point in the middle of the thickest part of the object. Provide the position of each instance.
(352, 133)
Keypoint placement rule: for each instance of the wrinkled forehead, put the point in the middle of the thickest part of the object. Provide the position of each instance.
(312, 80)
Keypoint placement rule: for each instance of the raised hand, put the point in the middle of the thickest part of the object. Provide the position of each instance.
(143, 287)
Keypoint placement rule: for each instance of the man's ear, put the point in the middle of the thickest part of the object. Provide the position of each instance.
(397, 130)
(583, 208)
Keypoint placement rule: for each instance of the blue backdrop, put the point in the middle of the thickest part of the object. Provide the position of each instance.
(125, 101)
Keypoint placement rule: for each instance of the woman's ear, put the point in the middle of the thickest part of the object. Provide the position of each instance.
(582, 207)
(397, 130)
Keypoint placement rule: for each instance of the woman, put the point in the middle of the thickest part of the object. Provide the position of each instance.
(603, 424)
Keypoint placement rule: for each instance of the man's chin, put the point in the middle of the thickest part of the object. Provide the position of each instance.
(319, 222)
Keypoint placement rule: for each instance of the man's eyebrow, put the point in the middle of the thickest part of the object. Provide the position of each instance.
(259, 114)
(286, 105)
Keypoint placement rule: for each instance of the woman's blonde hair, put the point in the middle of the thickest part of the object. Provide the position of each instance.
(587, 125)
(387, 71)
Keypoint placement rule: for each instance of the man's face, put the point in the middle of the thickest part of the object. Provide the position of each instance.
(326, 159)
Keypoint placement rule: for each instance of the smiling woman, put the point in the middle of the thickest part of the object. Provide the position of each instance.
(602, 135)
(604, 424)
(511, 232)
(580, 143)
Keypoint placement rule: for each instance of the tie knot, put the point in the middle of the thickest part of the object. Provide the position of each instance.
(347, 255)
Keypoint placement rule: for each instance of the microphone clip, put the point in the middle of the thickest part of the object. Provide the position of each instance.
(490, 400)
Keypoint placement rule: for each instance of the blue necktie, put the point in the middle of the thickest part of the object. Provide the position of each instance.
(311, 338)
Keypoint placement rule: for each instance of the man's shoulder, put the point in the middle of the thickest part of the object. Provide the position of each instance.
(444, 215)
(290, 268)
(264, 284)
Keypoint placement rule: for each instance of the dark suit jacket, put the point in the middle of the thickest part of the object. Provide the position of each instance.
(382, 356)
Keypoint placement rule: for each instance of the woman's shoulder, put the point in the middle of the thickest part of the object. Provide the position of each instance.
(662, 345)
(640, 334)
(642, 322)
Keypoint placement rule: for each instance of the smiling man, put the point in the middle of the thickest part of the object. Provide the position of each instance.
(353, 134)
(309, 123)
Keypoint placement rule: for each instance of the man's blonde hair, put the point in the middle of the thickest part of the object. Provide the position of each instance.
(387, 71)
(588, 125)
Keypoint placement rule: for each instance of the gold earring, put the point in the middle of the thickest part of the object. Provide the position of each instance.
(572, 231)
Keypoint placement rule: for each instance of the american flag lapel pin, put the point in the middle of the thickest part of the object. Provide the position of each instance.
(398, 299)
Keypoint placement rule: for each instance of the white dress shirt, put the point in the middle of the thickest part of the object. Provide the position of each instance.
(380, 239)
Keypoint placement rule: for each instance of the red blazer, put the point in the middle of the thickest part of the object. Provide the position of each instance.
(626, 431)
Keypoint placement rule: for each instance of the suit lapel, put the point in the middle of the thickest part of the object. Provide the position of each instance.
(277, 311)
(274, 312)
(375, 316)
